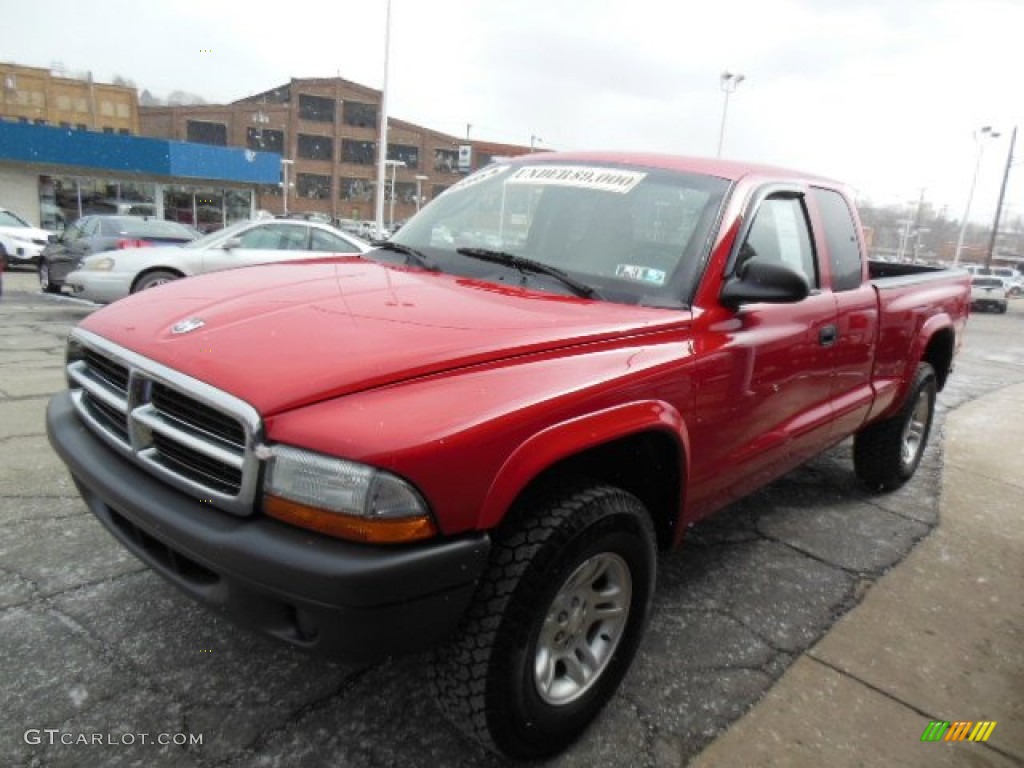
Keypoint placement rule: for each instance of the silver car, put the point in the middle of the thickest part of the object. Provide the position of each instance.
(110, 276)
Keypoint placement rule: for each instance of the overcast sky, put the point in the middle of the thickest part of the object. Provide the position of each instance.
(882, 94)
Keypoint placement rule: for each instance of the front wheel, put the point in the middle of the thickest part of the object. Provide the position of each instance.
(886, 453)
(555, 623)
(153, 279)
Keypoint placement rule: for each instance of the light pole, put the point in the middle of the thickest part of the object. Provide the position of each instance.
(985, 132)
(393, 164)
(382, 142)
(285, 186)
(420, 178)
(1002, 196)
(729, 82)
(533, 142)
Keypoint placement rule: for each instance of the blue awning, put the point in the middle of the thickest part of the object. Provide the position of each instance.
(156, 158)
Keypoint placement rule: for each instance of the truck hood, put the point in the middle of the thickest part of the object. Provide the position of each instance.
(288, 334)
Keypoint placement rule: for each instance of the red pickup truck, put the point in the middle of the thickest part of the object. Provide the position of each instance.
(476, 437)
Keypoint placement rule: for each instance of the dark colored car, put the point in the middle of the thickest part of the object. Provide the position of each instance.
(95, 234)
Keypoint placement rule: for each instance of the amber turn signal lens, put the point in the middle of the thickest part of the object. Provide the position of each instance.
(372, 530)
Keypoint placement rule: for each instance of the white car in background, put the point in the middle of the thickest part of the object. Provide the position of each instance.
(988, 292)
(110, 276)
(20, 242)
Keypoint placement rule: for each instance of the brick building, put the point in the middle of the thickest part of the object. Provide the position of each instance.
(327, 129)
(36, 95)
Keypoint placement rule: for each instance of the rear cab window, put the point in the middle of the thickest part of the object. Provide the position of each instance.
(844, 255)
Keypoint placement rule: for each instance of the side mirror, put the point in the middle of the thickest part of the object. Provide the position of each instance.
(231, 243)
(53, 238)
(764, 281)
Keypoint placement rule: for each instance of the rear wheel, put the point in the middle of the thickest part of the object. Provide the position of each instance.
(555, 623)
(886, 453)
(153, 279)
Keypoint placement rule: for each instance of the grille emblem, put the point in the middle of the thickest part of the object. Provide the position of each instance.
(187, 326)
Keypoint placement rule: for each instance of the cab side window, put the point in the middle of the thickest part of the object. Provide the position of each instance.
(844, 256)
(780, 233)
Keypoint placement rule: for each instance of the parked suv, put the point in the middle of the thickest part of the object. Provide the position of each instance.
(20, 242)
(988, 293)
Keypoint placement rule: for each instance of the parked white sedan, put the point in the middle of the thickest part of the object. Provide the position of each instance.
(110, 276)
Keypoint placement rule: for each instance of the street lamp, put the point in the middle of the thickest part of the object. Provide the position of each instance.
(391, 215)
(534, 140)
(382, 142)
(729, 82)
(285, 186)
(985, 132)
(420, 178)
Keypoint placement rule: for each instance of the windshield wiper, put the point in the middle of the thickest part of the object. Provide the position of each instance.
(421, 259)
(525, 265)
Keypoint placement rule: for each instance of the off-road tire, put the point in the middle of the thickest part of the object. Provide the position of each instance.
(886, 454)
(484, 679)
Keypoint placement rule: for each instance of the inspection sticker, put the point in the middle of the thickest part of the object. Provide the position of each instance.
(641, 274)
(604, 179)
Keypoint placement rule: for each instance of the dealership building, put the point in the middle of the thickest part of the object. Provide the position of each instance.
(326, 131)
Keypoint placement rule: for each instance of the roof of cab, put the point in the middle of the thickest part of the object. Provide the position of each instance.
(725, 169)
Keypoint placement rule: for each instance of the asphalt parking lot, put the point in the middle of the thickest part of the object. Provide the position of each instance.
(96, 644)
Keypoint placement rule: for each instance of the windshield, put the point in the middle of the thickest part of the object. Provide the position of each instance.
(634, 234)
(8, 219)
(132, 226)
(987, 282)
(221, 235)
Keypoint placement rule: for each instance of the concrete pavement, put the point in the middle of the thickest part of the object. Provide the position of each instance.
(940, 637)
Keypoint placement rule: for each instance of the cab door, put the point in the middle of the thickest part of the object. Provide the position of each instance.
(857, 314)
(763, 371)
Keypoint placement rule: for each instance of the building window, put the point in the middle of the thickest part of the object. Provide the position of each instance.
(123, 111)
(316, 147)
(359, 114)
(80, 105)
(359, 152)
(202, 132)
(64, 103)
(446, 160)
(64, 124)
(316, 108)
(108, 129)
(39, 121)
(106, 109)
(405, 192)
(265, 139)
(313, 186)
(80, 127)
(124, 131)
(405, 153)
(358, 190)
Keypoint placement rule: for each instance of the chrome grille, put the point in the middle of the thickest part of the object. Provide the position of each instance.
(194, 436)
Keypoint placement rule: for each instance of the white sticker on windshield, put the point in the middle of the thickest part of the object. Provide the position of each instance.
(641, 274)
(604, 179)
(482, 175)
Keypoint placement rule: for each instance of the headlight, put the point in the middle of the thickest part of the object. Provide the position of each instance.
(98, 265)
(343, 498)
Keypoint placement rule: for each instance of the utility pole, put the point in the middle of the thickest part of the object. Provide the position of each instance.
(1002, 196)
(382, 140)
